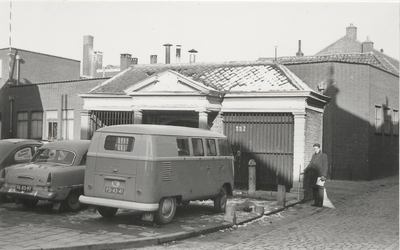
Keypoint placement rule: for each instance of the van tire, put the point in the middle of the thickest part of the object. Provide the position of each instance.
(107, 212)
(220, 201)
(72, 200)
(166, 210)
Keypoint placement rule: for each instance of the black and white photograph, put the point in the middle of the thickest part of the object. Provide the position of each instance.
(203, 124)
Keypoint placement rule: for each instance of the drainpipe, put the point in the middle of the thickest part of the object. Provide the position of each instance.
(18, 58)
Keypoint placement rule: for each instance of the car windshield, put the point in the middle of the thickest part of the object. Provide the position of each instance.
(54, 156)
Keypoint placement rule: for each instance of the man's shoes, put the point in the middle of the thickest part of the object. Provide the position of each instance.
(314, 205)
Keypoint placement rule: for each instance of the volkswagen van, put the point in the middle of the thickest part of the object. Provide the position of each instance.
(152, 168)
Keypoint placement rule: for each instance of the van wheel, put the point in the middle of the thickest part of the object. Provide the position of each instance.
(72, 201)
(166, 210)
(220, 201)
(107, 212)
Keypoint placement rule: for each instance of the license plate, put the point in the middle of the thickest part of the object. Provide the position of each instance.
(23, 188)
(114, 190)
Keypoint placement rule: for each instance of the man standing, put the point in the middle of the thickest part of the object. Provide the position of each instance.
(318, 168)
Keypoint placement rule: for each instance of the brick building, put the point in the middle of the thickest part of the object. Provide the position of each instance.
(21, 67)
(361, 123)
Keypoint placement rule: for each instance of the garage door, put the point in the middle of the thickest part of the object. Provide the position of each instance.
(268, 139)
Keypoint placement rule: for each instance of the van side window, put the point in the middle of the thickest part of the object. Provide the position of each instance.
(198, 149)
(224, 148)
(183, 146)
(211, 147)
(119, 143)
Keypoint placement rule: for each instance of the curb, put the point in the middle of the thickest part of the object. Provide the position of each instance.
(149, 241)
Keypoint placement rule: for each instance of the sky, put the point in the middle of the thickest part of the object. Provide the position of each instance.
(219, 30)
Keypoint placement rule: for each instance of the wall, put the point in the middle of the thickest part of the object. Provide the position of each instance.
(384, 148)
(349, 118)
(45, 97)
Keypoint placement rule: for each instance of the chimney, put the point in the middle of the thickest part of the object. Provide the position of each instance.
(192, 58)
(299, 53)
(87, 64)
(367, 46)
(125, 61)
(351, 32)
(134, 61)
(178, 53)
(153, 59)
(97, 62)
(167, 53)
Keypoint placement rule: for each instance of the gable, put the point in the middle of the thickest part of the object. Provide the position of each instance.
(168, 82)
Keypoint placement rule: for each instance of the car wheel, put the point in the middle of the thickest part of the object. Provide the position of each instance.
(220, 201)
(30, 203)
(166, 210)
(72, 201)
(107, 212)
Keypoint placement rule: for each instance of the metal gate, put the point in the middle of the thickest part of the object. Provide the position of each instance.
(99, 119)
(268, 139)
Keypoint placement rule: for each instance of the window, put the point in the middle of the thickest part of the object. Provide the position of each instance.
(198, 149)
(54, 156)
(23, 155)
(52, 127)
(395, 122)
(22, 125)
(211, 147)
(224, 148)
(183, 146)
(378, 119)
(37, 125)
(68, 124)
(387, 120)
(119, 143)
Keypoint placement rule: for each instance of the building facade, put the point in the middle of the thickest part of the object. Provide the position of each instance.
(268, 114)
(361, 123)
(20, 67)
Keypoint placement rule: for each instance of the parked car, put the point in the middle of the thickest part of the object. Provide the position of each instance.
(14, 151)
(55, 173)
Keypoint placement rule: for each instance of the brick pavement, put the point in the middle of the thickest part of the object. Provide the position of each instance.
(366, 217)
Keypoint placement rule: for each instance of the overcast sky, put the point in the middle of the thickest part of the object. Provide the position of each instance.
(219, 30)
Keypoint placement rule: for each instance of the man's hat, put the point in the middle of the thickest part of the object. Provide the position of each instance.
(317, 145)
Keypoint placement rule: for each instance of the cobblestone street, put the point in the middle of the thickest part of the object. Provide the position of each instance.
(366, 217)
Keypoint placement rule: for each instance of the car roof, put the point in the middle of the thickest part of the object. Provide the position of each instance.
(20, 141)
(161, 130)
(75, 145)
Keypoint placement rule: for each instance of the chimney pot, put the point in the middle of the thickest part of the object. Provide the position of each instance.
(299, 53)
(351, 32)
(167, 53)
(153, 59)
(125, 61)
(192, 55)
(367, 46)
(178, 53)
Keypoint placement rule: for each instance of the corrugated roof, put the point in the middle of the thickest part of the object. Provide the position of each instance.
(228, 76)
(359, 58)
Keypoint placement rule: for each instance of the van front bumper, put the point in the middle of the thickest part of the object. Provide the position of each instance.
(145, 207)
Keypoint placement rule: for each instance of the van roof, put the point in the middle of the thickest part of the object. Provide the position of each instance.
(161, 130)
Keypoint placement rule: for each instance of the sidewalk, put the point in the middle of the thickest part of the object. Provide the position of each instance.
(41, 229)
